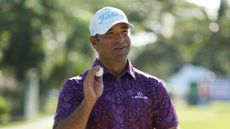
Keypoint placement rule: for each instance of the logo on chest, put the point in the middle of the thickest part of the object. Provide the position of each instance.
(139, 95)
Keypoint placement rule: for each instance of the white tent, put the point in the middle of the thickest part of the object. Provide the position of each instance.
(179, 82)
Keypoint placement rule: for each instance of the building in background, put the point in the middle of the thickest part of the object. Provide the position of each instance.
(198, 85)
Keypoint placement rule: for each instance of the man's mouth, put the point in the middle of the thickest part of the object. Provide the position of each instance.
(120, 47)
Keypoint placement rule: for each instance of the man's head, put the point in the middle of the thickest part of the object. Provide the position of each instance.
(105, 18)
(109, 31)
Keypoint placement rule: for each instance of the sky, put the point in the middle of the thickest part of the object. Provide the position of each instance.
(210, 6)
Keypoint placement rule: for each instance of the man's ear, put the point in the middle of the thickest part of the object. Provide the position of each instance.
(94, 41)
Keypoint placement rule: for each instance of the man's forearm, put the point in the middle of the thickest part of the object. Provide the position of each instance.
(78, 119)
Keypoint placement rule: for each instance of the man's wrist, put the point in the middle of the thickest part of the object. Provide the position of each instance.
(88, 103)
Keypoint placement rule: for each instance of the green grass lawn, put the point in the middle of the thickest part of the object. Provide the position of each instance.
(41, 122)
(216, 115)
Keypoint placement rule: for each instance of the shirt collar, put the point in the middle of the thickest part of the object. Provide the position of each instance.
(129, 71)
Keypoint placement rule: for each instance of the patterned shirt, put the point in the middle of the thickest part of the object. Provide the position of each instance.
(135, 100)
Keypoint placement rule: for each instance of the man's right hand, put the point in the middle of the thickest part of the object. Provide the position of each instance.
(93, 86)
(93, 89)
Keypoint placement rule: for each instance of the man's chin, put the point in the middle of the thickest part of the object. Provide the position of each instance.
(121, 57)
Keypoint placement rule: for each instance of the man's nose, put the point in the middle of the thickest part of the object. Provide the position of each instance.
(120, 37)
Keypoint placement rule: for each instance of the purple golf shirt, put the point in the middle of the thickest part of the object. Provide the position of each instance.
(135, 100)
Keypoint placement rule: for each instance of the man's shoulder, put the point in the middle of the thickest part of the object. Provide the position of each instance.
(151, 80)
(78, 78)
(75, 81)
(142, 74)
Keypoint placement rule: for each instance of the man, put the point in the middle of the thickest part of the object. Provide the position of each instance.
(123, 97)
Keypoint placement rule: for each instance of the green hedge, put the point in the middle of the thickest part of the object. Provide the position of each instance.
(4, 110)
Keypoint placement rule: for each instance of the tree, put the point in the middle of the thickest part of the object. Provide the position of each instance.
(195, 39)
(23, 44)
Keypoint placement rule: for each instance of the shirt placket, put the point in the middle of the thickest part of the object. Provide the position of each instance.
(119, 102)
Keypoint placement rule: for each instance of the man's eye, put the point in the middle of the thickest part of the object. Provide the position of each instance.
(124, 31)
(109, 33)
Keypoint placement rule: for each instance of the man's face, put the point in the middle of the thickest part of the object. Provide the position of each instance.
(115, 43)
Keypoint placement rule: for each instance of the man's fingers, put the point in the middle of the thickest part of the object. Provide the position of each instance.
(91, 73)
(99, 79)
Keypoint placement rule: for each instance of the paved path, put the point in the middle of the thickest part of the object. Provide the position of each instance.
(42, 123)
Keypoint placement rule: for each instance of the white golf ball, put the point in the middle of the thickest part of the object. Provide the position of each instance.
(99, 72)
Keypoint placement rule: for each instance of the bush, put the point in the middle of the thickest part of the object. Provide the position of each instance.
(4, 110)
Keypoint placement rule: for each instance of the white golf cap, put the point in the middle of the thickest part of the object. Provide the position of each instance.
(105, 18)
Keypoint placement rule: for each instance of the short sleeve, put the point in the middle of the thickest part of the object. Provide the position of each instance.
(70, 97)
(164, 112)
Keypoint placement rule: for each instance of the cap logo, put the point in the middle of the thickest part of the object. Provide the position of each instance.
(107, 15)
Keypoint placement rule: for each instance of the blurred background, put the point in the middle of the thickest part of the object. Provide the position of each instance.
(184, 42)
